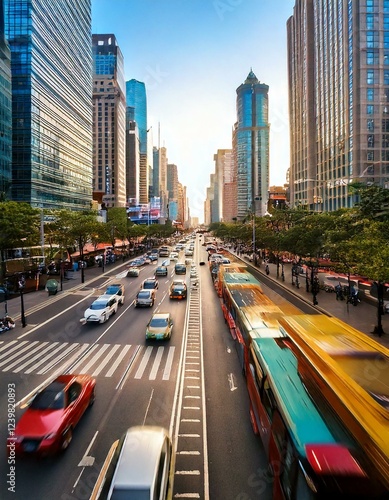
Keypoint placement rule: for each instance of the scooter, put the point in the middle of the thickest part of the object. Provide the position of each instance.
(353, 298)
(6, 324)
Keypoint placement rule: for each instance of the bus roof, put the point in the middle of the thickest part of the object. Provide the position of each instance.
(352, 373)
(301, 415)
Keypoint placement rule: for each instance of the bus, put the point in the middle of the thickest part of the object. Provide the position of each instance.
(306, 459)
(247, 309)
(347, 374)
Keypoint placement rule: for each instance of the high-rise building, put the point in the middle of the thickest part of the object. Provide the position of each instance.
(252, 137)
(5, 111)
(338, 68)
(109, 122)
(132, 156)
(136, 98)
(225, 185)
(51, 65)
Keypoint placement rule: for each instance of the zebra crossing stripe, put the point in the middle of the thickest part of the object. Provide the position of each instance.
(144, 362)
(157, 362)
(106, 360)
(95, 358)
(169, 364)
(56, 360)
(45, 358)
(17, 353)
(118, 360)
(43, 349)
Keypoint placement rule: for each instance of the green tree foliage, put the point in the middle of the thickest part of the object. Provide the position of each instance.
(19, 225)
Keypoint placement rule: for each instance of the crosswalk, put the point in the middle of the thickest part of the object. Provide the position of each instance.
(40, 358)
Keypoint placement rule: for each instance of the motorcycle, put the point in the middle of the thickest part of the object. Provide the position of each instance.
(6, 324)
(353, 298)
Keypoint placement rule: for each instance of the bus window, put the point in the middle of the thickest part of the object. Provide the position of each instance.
(268, 398)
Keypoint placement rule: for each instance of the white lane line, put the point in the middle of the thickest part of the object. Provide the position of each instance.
(99, 353)
(27, 355)
(50, 354)
(106, 360)
(157, 362)
(169, 364)
(144, 362)
(118, 360)
(19, 351)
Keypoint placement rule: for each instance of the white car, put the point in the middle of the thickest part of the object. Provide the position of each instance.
(101, 309)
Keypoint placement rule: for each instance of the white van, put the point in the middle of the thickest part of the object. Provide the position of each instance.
(137, 466)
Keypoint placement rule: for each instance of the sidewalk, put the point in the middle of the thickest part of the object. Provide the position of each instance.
(41, 298)
(363, 317)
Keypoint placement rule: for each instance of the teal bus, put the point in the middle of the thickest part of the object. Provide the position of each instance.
(307, 459)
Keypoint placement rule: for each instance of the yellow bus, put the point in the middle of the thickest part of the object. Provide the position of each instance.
(347, 373)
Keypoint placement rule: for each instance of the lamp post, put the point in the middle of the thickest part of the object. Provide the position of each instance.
(21, 285)
(314, 284)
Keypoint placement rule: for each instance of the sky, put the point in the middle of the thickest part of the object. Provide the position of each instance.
(192, 55)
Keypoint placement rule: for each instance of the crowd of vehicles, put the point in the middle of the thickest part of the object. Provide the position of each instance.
(317, 390)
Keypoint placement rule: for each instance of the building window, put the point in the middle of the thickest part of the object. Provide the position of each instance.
(369, 22)
(370, 94)
(370, 77)
(370, 124)
(370, 141)
(385, 141)
(370, 109)
(370, 155)
(372, 57)
(369, 5)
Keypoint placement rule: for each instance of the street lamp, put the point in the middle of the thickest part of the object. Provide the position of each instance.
(256, 198)
(21, 285)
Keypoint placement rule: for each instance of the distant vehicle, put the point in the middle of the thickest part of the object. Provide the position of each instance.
(164, 251)
(153, 257)
(116, 289)
(161, 271)
(145, 298)
(180, 268)
(188, 252)
(159, 327)
(178, 290)
(47, 426)
(193, 272)
(150, 284)
(165, 262)
(133, 272)
(136, 472)
(173, 256)
(101, 309)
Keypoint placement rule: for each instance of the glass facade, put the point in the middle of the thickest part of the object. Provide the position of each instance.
(339, 115)
(5, 112)
(136, 98)
(252, 148)
(51, 63)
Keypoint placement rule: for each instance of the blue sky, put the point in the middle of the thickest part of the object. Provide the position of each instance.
(192, 56)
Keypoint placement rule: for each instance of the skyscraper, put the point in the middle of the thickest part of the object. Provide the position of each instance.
(252, 142)
(51, 63)
(136, 98)
(109, 133)
(338, 61)
(5, 111)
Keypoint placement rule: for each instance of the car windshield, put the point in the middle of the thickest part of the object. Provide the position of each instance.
(97, 306)
(149, 284)
(143, 295)
(159, 322)
(111, 290)
(127, 494)
(52, 397)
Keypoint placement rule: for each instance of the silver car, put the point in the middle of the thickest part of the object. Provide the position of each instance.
(137, 466)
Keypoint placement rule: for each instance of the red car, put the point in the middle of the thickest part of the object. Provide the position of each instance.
(47, 425)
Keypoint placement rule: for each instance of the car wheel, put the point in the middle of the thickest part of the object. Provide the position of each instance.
(66, 439)
(92, 397)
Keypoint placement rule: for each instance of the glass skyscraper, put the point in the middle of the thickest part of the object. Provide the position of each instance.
(252, 143)
(51, 62)
(5, 111)
(338, 61)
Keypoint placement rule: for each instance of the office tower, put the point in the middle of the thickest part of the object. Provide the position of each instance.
(136, 98)
(5, 112)
(155, 171)
(51, 65)
(338, 68)
(132, 156)
(109, 122)
(225, 185)
(252, 147)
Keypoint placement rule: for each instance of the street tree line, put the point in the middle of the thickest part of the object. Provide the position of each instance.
(355, 240)
(20, 227)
